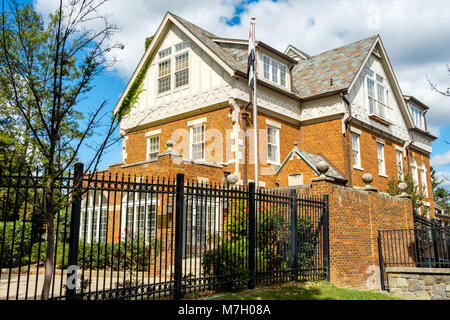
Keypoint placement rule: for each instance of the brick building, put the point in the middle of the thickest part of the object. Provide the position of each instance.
(343, 106)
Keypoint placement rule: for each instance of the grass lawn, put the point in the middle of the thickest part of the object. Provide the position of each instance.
(302, 291)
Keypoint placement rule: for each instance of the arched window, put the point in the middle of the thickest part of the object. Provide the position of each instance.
(423, 178)
(415, 174)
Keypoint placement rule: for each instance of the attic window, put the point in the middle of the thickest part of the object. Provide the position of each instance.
(417, 116)
(165, 53)
(274, 71)
(182, 46)
(378, 95)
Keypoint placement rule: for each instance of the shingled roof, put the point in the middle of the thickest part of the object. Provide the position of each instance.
(313, 76)
(312, 160)
(206, 38)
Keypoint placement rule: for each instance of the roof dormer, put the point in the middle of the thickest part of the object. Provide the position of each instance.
(417, 110)
(295, 53)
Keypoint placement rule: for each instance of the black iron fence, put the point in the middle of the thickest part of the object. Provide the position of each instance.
(425, 246)
(123, 237)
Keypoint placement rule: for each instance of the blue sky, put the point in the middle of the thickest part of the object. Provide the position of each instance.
(418, 48)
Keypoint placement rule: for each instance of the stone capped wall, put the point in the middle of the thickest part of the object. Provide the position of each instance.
(419, 283)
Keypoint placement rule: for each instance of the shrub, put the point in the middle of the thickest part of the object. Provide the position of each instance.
(230, 260)
(17, 242)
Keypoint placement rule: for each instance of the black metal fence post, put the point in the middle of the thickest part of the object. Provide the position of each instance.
(326, 237)
(435, 246)
(380, 261)
(71, 291)
(179, 222)
(294, 235)
(251, 237)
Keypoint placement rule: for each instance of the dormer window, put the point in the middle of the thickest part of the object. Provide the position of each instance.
(417, 116)
(377, 94)
(274, 71)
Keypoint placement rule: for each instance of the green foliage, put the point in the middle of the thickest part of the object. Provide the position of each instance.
(413, 190)
(136, 88)
(273, 243)
(229, 259)
(441, 195)
(18, 244)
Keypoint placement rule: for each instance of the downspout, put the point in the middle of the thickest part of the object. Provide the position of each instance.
(347, 133)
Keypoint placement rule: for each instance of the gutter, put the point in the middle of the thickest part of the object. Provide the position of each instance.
(267, 85)
(347, 133)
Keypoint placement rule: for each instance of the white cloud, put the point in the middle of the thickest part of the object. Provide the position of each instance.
(441, 159)
(414, 33)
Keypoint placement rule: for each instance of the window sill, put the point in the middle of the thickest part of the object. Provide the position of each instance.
(171, 91)
(383, 175)
(378, 118)
(273, 163)
(358, 168)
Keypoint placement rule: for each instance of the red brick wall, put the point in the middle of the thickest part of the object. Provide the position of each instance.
(355, 218)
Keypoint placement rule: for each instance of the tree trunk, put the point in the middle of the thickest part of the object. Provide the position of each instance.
(50, 246)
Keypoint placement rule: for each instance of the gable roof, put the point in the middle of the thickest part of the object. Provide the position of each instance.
(312, 160)
(312, 76)
(297, 52)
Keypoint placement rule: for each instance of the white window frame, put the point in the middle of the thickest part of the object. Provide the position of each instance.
(358, 150)
(87, 212)
(182, 70)
(399, 163)
(275, 161)
(184, 48)
(423, 178)
(417, 116)
(381, 159)
(269, 74)
(415, 173)
(134, 201)
(149, 145)
(160, 78)
(372, 76)
(191, 141)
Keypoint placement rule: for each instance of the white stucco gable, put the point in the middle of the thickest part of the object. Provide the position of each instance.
(398, 121)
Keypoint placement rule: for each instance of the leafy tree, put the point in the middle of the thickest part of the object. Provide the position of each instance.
(441, 195)
(413, 190)
(46, 70)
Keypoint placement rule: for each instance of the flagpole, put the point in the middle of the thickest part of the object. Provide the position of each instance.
(255, 115)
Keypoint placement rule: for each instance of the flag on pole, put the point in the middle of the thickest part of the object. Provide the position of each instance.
(251, 60)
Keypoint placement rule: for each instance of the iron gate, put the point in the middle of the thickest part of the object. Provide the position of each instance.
(123, 237)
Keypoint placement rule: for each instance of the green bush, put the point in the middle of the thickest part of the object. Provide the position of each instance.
(229, 259)
(17, 242)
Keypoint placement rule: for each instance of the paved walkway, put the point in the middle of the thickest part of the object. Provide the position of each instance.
(29, 286)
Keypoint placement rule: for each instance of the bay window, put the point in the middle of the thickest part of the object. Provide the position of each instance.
(94, 218)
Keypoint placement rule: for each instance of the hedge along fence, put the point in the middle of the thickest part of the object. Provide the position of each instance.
(19, 249)
(272, 251)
